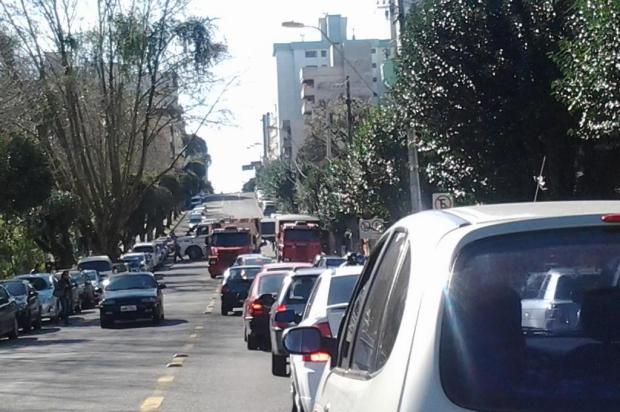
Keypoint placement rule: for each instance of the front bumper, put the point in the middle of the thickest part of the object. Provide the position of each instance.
(142, 311)
(49, 310)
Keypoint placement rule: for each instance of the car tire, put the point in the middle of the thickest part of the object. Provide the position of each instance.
(278, 365)
(224, 310)
(38, 322)
(106, 322)
(15, 332)
(157, 317)
(194, 253)
(253, 342)
(28, 323)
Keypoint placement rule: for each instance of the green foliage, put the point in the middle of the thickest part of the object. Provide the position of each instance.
(475, 80)
(25, 175)
(196, 167)
(277, 180)
(18, 252)
(249, 186)
(590, 63)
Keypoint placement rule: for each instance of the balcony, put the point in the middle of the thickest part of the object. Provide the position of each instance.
(307, 105)
(307, 89)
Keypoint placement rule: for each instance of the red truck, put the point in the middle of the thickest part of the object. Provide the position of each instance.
(226, 244)
(298, 238)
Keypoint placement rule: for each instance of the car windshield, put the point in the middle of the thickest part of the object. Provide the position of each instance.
(16, 288)
(77, 277)
(131, 282)
(143, 249)
(91, 275)
(230, 239)
(39, 283)
(243, 273)
(131, 259)
(301, 235)
(505, 346)
(299, 289)
(270, 284)
(340, 289)
(257, 261)
(267, 228)
(98, 265)
(195, 219)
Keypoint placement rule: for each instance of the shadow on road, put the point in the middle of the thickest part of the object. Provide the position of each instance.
(23, 341)
(147, 324)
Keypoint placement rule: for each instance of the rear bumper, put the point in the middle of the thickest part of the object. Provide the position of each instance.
(233, 300)
(258, 326)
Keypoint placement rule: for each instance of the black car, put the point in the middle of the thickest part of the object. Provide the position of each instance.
(234, 290)
(8, 315)
(132, 296)
(29, 310)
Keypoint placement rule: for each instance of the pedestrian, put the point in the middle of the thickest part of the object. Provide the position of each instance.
(65, 293)
(177, 249)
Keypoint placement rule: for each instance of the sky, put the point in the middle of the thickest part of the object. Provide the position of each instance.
(249, 28)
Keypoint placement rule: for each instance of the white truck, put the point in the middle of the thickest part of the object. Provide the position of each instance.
(194, 245)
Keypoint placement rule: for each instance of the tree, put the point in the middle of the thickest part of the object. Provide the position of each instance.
(249, 186)
(18, 252)
(475, 81)
(25, 176)
(277, 179)
(590, 64)
(100, 97)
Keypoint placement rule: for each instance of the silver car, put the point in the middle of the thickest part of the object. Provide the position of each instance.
(44, 284)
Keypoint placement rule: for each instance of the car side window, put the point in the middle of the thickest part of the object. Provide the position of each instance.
(4, 296)
(366, 342)
(349, 324)
(311, 298)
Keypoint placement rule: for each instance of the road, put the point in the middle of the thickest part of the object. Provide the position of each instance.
(239, 205)
(82, 367)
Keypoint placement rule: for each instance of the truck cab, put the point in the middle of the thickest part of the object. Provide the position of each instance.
(299, 241)
(194, 245)
(225, 245)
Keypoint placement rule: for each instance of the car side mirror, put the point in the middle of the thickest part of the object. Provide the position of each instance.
(266, 299)
(302, 340)
(286, 316)
(33, 293)
(161, 286)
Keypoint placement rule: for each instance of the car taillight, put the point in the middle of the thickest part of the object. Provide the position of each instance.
(256, 309)
(281, 307)
(316, 357)
(324, 328)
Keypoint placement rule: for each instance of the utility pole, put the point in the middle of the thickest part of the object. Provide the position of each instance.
(414, 173)
(349, 113)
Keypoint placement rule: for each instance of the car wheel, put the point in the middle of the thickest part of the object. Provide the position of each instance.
(224, 310)
(15, 332)
(106, 322)
(278, 365)
(157, 317)
(253, 342)
(194, 253)
(28, 323)
(37, 323)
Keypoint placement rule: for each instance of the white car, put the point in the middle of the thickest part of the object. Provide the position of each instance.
(151, 252)
(325, 308)
(102, 264)
(137, 262)
(194, 220)
(434, 323)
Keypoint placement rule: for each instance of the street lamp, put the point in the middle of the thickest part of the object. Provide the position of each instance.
(293, 24)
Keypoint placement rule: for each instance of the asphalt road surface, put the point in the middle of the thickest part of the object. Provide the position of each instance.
(239, 205)
(82, 367)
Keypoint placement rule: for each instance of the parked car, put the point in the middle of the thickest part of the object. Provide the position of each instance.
(194, 220)
(435, 320)
(253, 259)
(85, 289)
(327, 262)
(235, 286)
(95, 280)
(325, 308)
(9, 325)
(293, 297)
(286, 266)
(132, 296)
(44, 284)
(262, 295)
(151, 252)
(102, 264)
(137, 262)
(28, 304)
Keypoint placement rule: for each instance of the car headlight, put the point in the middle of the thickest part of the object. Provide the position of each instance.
(148, 300)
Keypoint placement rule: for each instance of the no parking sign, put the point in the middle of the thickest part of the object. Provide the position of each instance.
(442, 201)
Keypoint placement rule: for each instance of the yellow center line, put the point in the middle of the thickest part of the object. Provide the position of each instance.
(193, 335)
(152, 403)
(166, 379)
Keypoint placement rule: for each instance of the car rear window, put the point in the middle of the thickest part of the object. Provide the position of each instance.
(505, 348)
(245, 273)
(299, 289)
(15, 288)
(270, 284)
(98, 265)
(38, 283)
(340, 289)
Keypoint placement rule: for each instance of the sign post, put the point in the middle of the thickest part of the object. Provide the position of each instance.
(442, 201)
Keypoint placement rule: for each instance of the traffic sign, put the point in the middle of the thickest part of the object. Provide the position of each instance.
(442, 201)
(371, 228)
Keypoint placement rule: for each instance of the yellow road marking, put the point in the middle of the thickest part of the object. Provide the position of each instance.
(193, 335)
(165, 379)
(199, 327)
(151, 403)
(188, 347)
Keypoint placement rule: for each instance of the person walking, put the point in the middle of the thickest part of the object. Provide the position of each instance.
(65, 294)
(177, 249)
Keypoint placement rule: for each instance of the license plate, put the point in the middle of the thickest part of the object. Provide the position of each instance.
(129, 308)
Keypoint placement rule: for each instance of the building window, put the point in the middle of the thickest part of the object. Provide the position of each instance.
(323, 53)
(309, 82)
(309, 98)
(374, 79)
(374, 65)
(372, 51)
(310, 53)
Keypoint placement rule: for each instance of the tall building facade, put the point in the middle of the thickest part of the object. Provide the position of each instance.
(312, 71)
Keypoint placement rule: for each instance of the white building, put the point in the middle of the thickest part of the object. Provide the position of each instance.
(311, 71)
